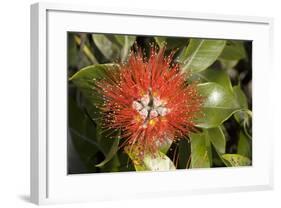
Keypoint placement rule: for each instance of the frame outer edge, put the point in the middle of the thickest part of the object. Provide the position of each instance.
(271, 23)
(34, 154)
(39, 193)
(38, 98)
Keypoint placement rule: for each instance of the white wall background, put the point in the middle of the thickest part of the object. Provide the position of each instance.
(14, 102)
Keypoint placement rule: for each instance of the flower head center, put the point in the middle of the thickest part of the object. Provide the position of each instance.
(149, 107)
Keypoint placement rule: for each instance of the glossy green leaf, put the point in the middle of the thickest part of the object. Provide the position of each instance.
(85, 80)
(200, 54)
(233, 50)
(201, 154)
(114, 47)
(217, 138)
(215, 75)
(219, 104)
(235, 160)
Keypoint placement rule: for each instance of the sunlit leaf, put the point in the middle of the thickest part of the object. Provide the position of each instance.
(157, 161)
(217, 138)
(236, 160)
(200, 54)
(219, 104)
(201, 154)
(160, 162)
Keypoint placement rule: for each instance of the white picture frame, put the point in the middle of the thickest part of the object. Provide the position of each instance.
(49, 180)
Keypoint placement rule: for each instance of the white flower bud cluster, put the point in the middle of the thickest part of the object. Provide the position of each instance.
(150, 107)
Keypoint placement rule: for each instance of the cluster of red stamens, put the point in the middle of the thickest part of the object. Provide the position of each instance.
(149, 100)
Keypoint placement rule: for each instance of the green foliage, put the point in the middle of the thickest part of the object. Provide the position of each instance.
(201, 154)
(235, 160)
(233, 50)
(110, 153)
(215, 75)
(218, 67)
(219, 105)
(171, 43)
(200, 54)
(157, 162)
(217, 138)
(114, 47)
(85, 79)
(244, 146)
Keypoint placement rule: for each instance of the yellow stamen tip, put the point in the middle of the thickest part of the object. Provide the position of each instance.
(137, 118)
(152, 122)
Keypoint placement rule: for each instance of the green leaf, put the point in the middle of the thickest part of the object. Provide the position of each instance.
(200, 54)
(112, 151)
(201, 154)
(217, 138)
(244, 145)
(241, 116)
(126, 43)
(184, 154)
(219, 104)
(215, 75)
(72, 53)
(112, 165)
(171, 42)
(82, 134)
(240, 96)
(228, 64)
(85, 80)
(165, 145)
(156, 162)
(235, 160)
(233, 50)
(114, 47)
(160, 162)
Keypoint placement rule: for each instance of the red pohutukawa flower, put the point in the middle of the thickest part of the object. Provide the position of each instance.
(149, 100)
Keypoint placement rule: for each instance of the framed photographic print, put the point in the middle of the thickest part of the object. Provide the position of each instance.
(129, 103)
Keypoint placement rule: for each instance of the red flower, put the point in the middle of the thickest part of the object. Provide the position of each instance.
(149, 100)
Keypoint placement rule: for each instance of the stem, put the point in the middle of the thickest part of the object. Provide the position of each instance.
(86, 50)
